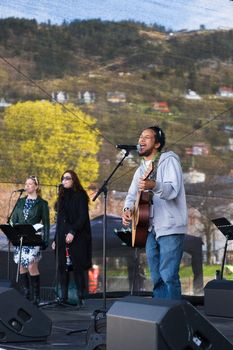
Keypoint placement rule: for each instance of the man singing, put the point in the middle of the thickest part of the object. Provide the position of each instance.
(168, 211)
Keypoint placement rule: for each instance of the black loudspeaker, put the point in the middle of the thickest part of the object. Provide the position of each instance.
(20, 320)
(218, 297)
(155, 324)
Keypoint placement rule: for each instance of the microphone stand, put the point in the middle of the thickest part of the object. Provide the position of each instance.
(95, 337)
(104, 189)
(57, 300)
(8, 221)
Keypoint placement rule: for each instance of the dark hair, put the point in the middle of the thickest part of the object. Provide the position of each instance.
(159, 135)
(77, 187)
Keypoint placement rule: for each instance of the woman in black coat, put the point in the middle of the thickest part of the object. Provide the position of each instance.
(73, 234)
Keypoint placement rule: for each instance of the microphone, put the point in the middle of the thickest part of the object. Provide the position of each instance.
(129, 147)
(59, 185)
(21, 190)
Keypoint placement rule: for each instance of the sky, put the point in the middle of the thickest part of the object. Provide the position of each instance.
(172, 14)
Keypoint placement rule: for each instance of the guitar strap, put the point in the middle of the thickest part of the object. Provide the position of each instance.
(155, 161)
(153, 177)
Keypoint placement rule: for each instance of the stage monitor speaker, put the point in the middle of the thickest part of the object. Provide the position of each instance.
(218, 296)
(20, 320)
(155, 324)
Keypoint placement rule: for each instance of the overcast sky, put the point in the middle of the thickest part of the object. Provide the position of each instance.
(173, 14)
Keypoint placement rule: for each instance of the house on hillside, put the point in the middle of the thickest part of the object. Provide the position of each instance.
(60, 96)
(228, 129)
(192, 95)
(123, 74)
(225, 148)
(161, 107)
(198, 149)
(194, 176)
(86, 97)
(116, 97)
(4, 104)
(225, 92)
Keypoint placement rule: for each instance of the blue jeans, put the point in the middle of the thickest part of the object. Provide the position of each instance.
(163, 256)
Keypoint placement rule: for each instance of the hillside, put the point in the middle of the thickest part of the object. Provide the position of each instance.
(45, 51)
(146, 64)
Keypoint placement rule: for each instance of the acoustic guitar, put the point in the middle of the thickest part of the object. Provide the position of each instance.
(141, 214)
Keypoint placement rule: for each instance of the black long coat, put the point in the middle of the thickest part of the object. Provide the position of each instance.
(73, 217)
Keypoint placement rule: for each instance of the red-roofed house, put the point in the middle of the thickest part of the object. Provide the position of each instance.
(225, 92)
(161, 107)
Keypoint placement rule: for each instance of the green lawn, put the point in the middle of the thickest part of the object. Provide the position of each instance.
(208, 271)
(185, 271)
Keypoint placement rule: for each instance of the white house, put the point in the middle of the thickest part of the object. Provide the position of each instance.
(86, 97)
(192, 95)
(194, 176)
(4, 104)
(60, 96)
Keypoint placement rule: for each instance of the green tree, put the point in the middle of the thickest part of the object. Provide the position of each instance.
(45, 139)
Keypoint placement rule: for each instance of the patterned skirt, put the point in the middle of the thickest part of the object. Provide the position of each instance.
(29, 255)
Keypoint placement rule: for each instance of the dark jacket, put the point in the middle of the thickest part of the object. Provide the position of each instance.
(73, 217)
(39, 213)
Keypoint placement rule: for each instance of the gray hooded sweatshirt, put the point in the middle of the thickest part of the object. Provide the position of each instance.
(168, 213)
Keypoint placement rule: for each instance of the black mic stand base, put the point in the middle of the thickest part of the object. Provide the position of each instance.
(96, 332)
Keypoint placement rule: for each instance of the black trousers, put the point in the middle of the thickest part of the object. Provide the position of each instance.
(79, 280)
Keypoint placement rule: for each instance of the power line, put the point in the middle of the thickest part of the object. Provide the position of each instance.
(47, 94)
(70, 111)
(202, 126)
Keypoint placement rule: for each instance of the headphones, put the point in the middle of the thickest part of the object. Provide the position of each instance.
(159, 134)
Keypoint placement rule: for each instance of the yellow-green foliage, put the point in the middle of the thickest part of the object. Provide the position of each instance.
(44, 139)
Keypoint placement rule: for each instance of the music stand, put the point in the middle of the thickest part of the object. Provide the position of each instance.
(227, 230)
(20, 235)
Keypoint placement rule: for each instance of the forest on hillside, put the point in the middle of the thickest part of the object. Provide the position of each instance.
(53, 51)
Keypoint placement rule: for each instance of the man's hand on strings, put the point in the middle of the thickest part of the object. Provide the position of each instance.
(126, 217)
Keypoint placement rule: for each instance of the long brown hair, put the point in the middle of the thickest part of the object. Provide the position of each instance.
(77, 186)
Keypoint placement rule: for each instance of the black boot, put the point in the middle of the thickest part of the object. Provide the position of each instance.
(79, 279)
(80, 302)
(24, 284)
(64, 282)
(35, 282)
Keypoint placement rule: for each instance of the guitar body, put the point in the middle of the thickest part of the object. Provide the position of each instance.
(140, 220)
(141, 214)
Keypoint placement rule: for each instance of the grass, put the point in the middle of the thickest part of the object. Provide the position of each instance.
(185, 271)
(208, 271)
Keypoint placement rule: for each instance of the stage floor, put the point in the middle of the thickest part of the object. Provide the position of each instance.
(67, 319)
